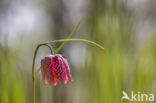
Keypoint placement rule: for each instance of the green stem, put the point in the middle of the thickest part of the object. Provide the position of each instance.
(82, 40)
(33, 69)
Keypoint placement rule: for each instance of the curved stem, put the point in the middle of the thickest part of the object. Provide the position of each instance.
(33, 69)
(82, 40)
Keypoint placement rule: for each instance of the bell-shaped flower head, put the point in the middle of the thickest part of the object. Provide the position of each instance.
(54, 68)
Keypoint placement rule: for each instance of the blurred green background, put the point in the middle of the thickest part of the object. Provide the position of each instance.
(126, 28)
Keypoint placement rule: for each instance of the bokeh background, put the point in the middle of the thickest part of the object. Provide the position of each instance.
(126, 28)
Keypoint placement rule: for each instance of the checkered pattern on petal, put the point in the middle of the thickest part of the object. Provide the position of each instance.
(55, 67)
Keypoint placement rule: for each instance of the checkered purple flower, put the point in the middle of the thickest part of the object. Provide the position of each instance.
(54, 68)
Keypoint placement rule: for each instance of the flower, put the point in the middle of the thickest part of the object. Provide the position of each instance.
(55, 67)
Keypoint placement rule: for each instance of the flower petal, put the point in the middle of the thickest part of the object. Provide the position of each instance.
(49, 69)
(54, 81)
(59, 69)
(66, 65)
(43, 71)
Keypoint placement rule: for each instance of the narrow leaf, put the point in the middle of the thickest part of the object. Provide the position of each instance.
(60, 47)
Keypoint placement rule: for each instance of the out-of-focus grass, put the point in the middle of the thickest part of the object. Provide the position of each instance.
(12, 86)
(124, 65)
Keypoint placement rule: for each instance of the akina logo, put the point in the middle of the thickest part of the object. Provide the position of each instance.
(140, 97)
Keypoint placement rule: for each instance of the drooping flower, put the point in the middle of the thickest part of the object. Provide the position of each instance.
(54, 68)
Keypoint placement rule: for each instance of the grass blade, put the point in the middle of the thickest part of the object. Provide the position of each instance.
(60, 47)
